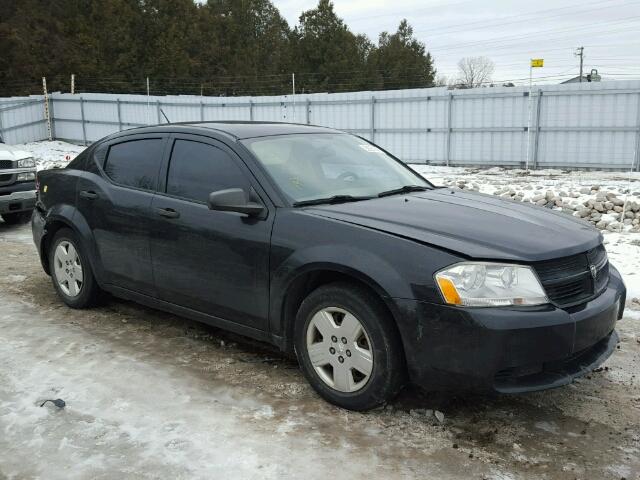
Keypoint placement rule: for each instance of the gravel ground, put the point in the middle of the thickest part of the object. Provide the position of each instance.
(151, 395)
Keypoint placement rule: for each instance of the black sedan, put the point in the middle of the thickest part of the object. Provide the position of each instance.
(327, 246)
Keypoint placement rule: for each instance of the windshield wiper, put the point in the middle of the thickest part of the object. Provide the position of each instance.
(333, 199)
(404, 189)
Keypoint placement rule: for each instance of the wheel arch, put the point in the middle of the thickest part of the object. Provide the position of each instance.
(67, 218)
(309, 279)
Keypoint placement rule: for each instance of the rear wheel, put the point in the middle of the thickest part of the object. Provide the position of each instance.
(348, 347)
(71, 272)
(16, 218)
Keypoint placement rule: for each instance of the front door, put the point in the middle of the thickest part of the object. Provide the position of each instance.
(210, 261)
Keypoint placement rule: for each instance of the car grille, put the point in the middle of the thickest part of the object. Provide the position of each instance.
(7, 179)
(6, 164)
(569, 281)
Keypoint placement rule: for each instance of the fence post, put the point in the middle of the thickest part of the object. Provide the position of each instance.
(119, 115)
(201, 111)
(372, 126)
(250, 110)
(1, 128)
(308, 112)
(637, 152)
(84, 127)
(448, 143)
(158, 112)
(536, 133)
(47, 114)
(53, 118)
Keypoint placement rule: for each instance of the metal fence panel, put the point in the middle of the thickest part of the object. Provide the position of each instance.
(588, 125)
(22, 119)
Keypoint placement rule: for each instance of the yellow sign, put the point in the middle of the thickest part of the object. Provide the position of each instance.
(537, 62)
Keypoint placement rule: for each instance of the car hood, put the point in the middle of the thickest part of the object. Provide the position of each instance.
(7, 152)
(475, 225)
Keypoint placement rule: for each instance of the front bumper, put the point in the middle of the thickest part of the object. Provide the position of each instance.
(508, 350)
(17, 201)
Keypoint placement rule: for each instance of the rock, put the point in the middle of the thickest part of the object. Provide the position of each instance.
(536, 198)
(617, 209)
(598, 206)
(584, 212)
(558, 202)
(585, 190)
(629, 214)
(601, 225)
(574, 194)
(611, 195)
(541, 202)
(617, 201)
(595, 187)
(439, 416)
(608, 205)
(549, 195)
(614, 226)
(601, 197)
(627, 221)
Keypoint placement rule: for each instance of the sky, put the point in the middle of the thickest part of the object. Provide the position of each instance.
(510, 33)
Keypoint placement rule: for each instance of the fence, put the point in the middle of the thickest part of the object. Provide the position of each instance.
(588, 125)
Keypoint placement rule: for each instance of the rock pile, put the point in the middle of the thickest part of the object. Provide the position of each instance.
(604, 209)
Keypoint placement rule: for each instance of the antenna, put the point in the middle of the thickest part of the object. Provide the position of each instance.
(165, 117)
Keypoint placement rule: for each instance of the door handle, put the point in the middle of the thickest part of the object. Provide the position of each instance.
(168, 213)
(88, 194)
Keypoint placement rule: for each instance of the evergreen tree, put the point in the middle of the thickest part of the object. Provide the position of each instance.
(221, 47)
(403, 61)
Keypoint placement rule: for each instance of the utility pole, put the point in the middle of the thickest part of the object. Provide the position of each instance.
(580, 53)
(73, 83)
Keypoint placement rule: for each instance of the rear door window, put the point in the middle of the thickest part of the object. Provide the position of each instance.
(135, 163)
(197, 169)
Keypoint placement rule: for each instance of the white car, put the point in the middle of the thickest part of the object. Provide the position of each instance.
(17, 184)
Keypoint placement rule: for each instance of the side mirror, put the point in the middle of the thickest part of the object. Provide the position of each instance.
(234, 200)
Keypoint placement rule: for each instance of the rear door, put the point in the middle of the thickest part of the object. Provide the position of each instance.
(212, 262)
(116, 202)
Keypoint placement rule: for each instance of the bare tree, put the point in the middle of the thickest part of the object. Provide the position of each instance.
(441, 80)
(474, 72)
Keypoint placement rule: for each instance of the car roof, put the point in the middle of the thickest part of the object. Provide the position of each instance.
(242, 129)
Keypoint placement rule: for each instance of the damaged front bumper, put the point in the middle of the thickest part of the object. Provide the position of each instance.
(508, 350)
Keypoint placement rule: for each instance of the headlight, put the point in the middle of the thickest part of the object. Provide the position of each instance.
(25, 177)
(26, 163)
(475, 284)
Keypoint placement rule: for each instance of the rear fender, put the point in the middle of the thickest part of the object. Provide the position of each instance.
(70, 217)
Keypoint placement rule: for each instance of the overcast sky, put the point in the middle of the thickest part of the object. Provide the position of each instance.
(508, 32)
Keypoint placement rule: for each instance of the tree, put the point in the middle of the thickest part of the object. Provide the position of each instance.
(474, 72)
(403, 61)
(328, 56)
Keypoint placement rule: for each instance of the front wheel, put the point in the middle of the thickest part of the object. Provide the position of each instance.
(348, 347)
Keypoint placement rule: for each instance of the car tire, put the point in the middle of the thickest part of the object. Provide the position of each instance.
(71, 271)
(16, 218)
(336, 362)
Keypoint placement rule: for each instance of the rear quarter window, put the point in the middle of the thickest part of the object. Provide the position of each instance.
(135, 163)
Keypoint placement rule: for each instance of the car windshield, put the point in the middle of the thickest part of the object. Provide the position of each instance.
(331, 167)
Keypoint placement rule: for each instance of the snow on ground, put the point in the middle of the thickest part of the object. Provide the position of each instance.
(54, 154)
(560, 189)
